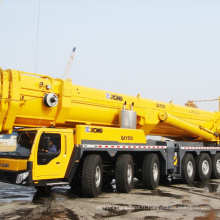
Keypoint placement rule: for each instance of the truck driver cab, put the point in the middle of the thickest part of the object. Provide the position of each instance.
(46, 143)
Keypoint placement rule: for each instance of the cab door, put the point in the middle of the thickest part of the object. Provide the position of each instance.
(47, 164)
(53, 165)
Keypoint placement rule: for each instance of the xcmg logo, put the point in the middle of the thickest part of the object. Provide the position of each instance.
(93, 130)
(114, 97)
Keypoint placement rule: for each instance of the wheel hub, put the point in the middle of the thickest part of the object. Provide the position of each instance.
(97, 176)
(205, 167)
(155, 171)
(218, 165)
(190, 168)
(129, 174)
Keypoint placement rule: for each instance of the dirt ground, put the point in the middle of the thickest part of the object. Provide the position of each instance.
(172, 201)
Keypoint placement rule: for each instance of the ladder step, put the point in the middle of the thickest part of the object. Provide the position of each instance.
(58, 183)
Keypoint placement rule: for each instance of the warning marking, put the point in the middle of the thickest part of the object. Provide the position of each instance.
(175, 160)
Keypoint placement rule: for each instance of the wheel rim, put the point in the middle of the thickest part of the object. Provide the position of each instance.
(129, 173)
(190, 168)
(155, 171)
(218, 165)
(205, 167)
(97, 176)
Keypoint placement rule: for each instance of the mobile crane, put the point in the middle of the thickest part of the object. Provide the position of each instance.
(99, 136)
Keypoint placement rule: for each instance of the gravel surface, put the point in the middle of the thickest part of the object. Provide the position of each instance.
(172, 201)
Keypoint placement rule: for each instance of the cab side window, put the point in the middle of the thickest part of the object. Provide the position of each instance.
(49, 147)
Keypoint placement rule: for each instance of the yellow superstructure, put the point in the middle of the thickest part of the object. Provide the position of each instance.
(22, 105)
(67, 134)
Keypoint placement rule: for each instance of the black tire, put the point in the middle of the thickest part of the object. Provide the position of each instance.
(188, 168)
(216, 166)
(124, 173)
(151, 171)
(203, 167)
(92, 175)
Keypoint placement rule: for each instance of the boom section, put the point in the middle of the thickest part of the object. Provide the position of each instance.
(34, 100)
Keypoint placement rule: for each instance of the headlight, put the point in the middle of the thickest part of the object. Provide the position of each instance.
(21, 177)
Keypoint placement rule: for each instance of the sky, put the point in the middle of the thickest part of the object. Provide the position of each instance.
(161, 49)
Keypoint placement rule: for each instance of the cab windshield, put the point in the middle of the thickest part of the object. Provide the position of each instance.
(17, 144)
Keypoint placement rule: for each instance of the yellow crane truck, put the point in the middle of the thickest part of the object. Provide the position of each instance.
(99, 136)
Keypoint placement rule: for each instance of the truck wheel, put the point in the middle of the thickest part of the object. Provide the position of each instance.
(92, 175)
(151, 171)
(124, 173)
(203, 167)
(188, 168)
(216, 166)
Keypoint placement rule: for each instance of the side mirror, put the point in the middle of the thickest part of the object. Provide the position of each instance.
(46, 143)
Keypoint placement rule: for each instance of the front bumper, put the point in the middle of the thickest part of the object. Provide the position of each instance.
(7, 176)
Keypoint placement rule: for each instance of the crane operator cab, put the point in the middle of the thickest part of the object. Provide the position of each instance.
(48, 148)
